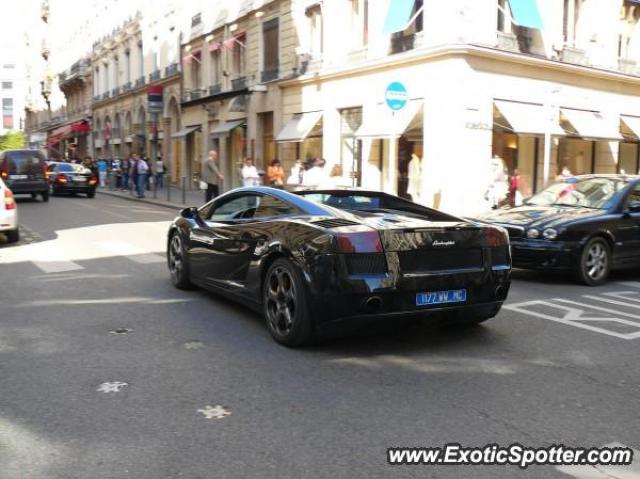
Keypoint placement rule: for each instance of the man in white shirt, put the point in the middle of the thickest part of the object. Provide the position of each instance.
(141, 175)
(249, 173)
(316, 175)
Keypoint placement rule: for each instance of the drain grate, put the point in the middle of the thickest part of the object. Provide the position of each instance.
(121, 331)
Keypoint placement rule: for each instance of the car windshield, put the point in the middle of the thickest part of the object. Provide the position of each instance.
(587, 193)
(71, 168)
(345, 201)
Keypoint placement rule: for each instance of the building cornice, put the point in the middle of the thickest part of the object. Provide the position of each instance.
(422, 55)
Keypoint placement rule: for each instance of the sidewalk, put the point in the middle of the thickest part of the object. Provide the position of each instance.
(169, 199)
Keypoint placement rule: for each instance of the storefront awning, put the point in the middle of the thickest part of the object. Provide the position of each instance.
(526, 14)
(225, 128)
(380, 122)
(59, 134)
(591, 124)
(529, 119)
(80, 127)
(398, 16)
(299, 127)
(633, 124)
(185, 131)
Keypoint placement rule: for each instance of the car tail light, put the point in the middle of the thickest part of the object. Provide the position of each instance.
(93, 180)
(61, 179)
(4, 171)
(497, 237)
(362, 242)
(9, 201)
(44, 171)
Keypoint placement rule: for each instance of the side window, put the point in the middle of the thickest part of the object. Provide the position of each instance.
(634, 196)
(270, 206)
(239, 207)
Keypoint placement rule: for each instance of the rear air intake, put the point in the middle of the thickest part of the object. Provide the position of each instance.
(334, 223)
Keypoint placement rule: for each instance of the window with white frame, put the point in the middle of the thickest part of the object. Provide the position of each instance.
(571, 16)
(196, 70)
(238, 56)
(314, 14)
(504, 16)
(215, 66)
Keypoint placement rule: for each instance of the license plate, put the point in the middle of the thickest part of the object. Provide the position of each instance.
(441, 297)
(79, 179)
(18, 177)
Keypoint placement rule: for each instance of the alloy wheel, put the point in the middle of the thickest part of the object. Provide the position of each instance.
(281, 301)
(175, 257)
(596, 261)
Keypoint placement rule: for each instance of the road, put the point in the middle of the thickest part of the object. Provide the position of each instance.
(107, 371)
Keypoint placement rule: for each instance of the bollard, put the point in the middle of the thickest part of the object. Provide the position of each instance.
(184, 192)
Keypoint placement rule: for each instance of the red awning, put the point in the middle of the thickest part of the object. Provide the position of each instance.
(81, 127)
(59, 134)
(231, 43)
(214, 46)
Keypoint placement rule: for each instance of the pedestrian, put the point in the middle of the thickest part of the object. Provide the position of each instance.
(316, 175)
(102, 171)
(275, 174)
(149, 172)
(211, 176)
(336, 177)
(159, 172)
(133, 173)
(296, 174)
(125, 166)
(142, 170)
(249, 173)
(515, 183)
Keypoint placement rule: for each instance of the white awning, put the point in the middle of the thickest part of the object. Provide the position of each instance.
(225, 128)
(632, 123)
(299, 127)
(592, 124)
(380, 122)
(185, 131)
(529, 119)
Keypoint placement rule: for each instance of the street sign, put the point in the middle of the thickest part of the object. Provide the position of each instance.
(396, 96)
(154, 98)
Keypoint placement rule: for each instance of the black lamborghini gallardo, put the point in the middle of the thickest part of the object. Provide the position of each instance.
(312, 259)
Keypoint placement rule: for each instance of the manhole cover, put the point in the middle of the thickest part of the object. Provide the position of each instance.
(111, 387)
(215, 412)
(121, 331)
(193, 345)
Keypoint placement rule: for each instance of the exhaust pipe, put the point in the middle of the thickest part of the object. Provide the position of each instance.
(372, 305)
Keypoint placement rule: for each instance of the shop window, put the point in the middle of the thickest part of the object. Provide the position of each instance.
(270, 50)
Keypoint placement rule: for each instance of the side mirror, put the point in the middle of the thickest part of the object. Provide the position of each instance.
(190, 213)
(634, 207)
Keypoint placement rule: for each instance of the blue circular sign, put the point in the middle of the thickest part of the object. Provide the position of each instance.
(396, 96)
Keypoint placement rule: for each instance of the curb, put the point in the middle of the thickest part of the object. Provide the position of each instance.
(150, 201)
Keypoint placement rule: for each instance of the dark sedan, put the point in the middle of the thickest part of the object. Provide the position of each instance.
(315, 259)
(71, 178)
(586, 224)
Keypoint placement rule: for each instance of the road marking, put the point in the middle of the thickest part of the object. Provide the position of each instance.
(633, 284)
(57, 266)
(215, 412)
(576, 314)
(133, 252)
(111, 387)
(632, 471)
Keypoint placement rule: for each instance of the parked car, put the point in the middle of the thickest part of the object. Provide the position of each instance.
(72, 178)
(24, 172)
(8, 214)
(51, 168)
(308, 261)
(588, 224)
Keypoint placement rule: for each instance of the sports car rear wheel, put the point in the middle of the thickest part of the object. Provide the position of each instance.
(595, 262)
(178, 263)
(285, 306)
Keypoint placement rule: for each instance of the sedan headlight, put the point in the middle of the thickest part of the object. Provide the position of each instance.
(550, 234)
(533, 233)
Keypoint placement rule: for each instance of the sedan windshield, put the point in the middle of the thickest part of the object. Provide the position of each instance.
(588, 193)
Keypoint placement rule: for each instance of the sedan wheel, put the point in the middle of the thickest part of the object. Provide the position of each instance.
(284, 304)
(178, 263)
(595, 262)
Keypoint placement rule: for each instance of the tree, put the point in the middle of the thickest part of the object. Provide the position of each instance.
(13, 140)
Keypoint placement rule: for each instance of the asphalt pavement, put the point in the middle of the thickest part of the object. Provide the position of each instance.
(107, 371)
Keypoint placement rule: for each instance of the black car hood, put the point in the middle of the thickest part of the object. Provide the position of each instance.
(540, 216)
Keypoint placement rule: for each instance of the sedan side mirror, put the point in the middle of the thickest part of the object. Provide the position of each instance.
(634, 207)
(190, 213)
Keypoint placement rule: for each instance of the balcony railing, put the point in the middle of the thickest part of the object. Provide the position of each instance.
(401, 43)
(171, 70)
(96, 97)
(241, 83)
(115, 91)
(105, 95)
(139, 82)
(115, 132)
(155, 75)
(126, 86)
(215, 89)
